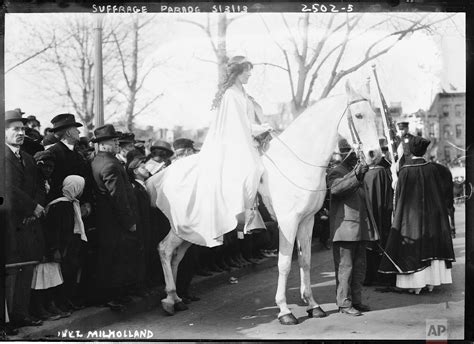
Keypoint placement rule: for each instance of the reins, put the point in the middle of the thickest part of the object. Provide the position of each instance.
(354, 134)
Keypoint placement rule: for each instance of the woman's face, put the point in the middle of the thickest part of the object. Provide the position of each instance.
(245, 75)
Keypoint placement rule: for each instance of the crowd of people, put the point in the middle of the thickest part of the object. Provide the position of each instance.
(81, 229)
(80, 226)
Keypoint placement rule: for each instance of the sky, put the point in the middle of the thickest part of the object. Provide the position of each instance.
(411, 73)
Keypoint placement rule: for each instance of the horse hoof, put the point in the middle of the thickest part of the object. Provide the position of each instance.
(288, 319)
(180, 306)
(169, 308)
(316, 313)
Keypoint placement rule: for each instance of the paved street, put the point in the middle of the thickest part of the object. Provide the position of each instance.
(247, 310)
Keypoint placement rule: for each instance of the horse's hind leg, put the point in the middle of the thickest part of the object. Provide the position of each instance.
(166, 250)
(304, 235)
(287, 242)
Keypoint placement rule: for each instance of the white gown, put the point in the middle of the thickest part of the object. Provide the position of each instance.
(207, 194)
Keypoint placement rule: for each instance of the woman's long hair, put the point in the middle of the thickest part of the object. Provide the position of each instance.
(236, 66)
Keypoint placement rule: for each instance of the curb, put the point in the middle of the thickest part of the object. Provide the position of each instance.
(94, 318)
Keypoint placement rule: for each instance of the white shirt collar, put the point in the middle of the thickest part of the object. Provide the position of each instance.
(71, 147)
(15, 150)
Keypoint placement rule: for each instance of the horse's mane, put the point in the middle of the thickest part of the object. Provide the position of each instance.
(325, 113)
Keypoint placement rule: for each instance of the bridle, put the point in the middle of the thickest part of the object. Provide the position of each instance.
(355, 138)
(354, 134)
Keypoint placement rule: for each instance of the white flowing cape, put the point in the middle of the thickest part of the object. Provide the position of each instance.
(205, 195)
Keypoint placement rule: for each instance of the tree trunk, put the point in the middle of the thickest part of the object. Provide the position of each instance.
(132, 96)
(221, 47)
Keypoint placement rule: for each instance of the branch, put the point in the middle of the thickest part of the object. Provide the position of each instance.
(341, 45)
(140, 84)
(204, 60)
(148, 104)
(68, 88)
(305, 39)
(320, 45)
(231, 20)
(146, 22)
(270, 64)
(401, 33)
(32, 56)
(122, 60)
(292, 39)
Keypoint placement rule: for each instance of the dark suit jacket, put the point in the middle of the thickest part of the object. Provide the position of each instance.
(348, 218)
(112, 184)
(24, 242)
(68, 163)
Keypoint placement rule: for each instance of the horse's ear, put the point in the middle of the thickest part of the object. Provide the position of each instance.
(349, 90)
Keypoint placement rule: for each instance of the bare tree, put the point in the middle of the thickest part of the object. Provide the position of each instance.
(62, 51)
(130, 43)
(324, 58)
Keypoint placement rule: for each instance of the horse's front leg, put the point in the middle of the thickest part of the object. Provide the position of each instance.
(166, 250)
(176, 259)
(287, 234)
(304, 236)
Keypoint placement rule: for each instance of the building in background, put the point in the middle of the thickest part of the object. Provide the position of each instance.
(445, 126)
(396, 112)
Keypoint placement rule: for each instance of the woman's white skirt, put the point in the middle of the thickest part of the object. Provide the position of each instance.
(46, 275)
(435, 274)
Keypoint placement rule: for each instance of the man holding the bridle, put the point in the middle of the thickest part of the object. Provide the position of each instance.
(350, 230)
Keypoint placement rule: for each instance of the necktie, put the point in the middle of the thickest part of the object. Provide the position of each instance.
(17, 154)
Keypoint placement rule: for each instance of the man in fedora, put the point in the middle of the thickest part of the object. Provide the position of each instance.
(33, 123)
(350, 232)
(68, 159)
(118, 250)
(23, 230)
(126, 144)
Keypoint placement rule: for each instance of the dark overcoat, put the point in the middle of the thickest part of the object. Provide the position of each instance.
(348, 218)
(420, 229)
(24, 242)
(69, 162)
(115, 213)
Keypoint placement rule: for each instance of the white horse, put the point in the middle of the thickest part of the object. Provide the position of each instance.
(294, 189)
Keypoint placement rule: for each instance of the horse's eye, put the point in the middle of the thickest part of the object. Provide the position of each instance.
(359, 115)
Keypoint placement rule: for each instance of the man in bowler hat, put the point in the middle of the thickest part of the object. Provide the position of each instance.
(23, 230)
(116, 220)
(126, 144)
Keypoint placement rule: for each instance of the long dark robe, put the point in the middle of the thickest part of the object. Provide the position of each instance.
(420, 230)
(379, 198)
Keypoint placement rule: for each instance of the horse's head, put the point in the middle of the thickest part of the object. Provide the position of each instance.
(358, 126)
